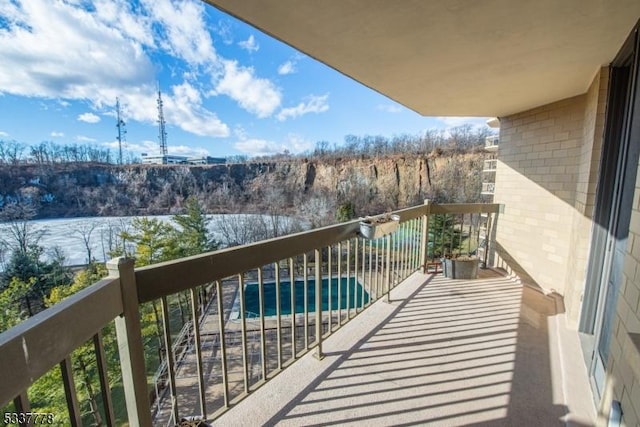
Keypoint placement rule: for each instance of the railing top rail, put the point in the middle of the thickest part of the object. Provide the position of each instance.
(33, 347)
(170, 277)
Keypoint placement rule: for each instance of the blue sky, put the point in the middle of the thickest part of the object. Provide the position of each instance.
(227, 88)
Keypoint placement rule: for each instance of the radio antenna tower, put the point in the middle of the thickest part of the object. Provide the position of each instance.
(162, 133)
(121, 130)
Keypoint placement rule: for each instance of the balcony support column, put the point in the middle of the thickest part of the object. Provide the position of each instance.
(424, 241)
(129, 334)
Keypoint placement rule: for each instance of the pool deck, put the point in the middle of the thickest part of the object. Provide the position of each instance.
(443, 352)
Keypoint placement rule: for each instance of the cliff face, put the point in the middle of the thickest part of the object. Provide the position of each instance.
(371, 184)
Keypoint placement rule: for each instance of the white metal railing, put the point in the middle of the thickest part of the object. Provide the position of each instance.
(330, 274)
(490, 165)
(488, 188)
(491, 142)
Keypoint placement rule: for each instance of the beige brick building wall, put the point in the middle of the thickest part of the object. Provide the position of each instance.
(548, 166)
(547, 173)
(623, 370)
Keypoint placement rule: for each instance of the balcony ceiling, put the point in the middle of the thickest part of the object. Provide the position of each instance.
(453, 57)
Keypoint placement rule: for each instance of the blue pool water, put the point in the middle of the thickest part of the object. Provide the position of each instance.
(252, 301)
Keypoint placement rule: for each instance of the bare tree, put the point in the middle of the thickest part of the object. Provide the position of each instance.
(21, 234)
(83, 232)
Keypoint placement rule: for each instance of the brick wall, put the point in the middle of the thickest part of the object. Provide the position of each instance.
(547, 172)
(623, 368)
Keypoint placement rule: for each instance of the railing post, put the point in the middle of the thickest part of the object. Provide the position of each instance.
(129, 334)
(424, 249)
(491, 243)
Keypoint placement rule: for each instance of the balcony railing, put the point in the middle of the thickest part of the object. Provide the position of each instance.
(490, 165)
(488, 188)
(491, 143)
(252, 311)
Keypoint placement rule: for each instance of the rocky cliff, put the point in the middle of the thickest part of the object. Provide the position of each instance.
(370, 184)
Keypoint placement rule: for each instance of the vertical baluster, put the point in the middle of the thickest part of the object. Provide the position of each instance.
(105, 390)
(405, 250)
(370, 270)
(356, 256)
(330, 288)
(169, 357)
(388, 272)
(197, 342)
(402, 236)
(412, 246)
(305, 278)
(278, 316)
(378, 260)
(424, 238)
(243, 332)
(22, 405)
(292, 280)
(223, 345)
(452, 232)
(348, 279)
(263, 333)
(318, 284)
(416, 244)
(363, 284)
(340, 284)
(66, 368)
(468, 226)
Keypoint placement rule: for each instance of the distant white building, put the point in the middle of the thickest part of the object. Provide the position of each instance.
(180, 160)
(160, 159)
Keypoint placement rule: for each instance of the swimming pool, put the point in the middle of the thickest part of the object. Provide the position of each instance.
(252, 301)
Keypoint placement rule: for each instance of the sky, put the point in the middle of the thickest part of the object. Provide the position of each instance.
(227, 88)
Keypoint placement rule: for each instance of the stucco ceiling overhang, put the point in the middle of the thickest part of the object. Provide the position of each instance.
(453, 57)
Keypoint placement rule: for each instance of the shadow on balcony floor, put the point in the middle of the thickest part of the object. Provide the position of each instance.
(442, 352)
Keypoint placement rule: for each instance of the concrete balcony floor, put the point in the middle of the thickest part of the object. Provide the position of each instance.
(442, 352)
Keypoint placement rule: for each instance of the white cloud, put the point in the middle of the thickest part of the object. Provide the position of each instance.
(256, 95)
(288, 67)
(390, 108)
(97, 50)
(88, 60)
(56, 134)
(185, 32)
(3, 134)
(298, 144)
(88, 118)
(223, 29)
(185, 109)
(315, 104)
(261, 147)
(258, 147)
(250, 44)
(83, 138)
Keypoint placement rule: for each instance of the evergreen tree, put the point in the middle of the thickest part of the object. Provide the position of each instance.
(445, 236)
(193, 236)
(154, 240)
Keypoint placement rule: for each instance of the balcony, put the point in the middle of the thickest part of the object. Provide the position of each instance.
(391, 344)
(490, 165)
(488, 188)
(491, 143)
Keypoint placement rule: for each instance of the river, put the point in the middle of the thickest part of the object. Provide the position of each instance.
(68, 234)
